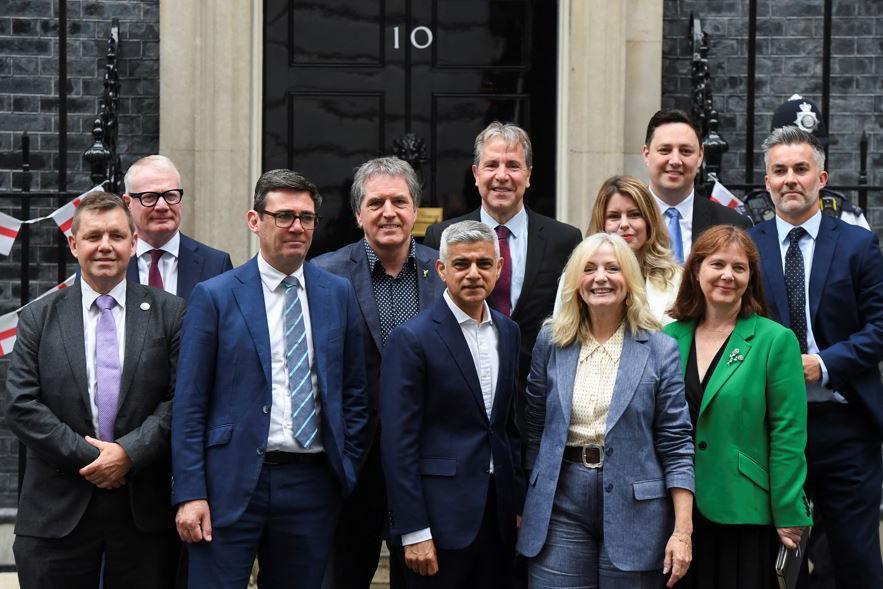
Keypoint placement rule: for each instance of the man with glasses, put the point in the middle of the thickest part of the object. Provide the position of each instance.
(270, 416)
(164, 257)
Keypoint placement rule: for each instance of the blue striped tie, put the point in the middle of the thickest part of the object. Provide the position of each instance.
(304, 419)
(674, 231)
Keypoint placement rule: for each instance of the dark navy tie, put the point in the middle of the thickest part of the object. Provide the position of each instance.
(795, 279)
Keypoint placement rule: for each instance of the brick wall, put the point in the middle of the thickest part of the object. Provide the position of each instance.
(29, 102)
(789, 61)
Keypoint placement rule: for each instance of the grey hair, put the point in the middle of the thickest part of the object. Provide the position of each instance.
(511, 133)
(383, 166)
(792, 135)
(466, 232)
(156, 162)
(283, 179)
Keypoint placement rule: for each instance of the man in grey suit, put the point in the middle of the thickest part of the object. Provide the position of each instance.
(89, 392)
(394, 278)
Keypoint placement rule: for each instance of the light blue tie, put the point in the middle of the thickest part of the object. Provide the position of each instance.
(674, 230)
(304, 419)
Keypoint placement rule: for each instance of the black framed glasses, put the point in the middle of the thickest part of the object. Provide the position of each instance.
(149, 199)
(285, 219)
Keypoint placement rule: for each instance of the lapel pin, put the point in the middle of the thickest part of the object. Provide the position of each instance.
(426, 274)
(145, 306)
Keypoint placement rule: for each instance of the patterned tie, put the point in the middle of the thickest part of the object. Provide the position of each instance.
(501, 297)
(304, 420)
(154, 278)
(794, 286)
(107, 363)
(674, 230)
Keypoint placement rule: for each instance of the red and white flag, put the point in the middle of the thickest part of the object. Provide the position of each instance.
(64, 216)
(721, 195)
(8, 326)
(9, 227)
(9, 322)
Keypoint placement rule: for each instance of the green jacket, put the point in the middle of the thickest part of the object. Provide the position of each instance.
(751, 430)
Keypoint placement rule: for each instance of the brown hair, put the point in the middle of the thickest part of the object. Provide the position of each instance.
(690, 303)
(100, 202)
(666, 117)
(655, 256)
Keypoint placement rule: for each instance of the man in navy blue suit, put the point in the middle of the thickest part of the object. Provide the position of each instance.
(270, 414)
(394, 278)
(824, 279)
(451, 454)
(164, 257)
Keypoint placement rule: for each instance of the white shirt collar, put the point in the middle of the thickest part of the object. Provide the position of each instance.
(685, 207)
(811, 225)
(272, 278)
(172, 246)
(461, 315)
(517, 225)
(118, 293)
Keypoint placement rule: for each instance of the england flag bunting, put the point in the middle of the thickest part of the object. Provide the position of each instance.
(9, 322)
(64, 216)
(721, 195)
(9, 227)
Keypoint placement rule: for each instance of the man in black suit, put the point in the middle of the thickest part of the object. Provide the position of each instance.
(673, 154)
(394, 278)
(534, 247)
(164, 257)
(89, 393)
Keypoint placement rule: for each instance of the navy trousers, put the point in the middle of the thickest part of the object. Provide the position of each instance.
(289, 524)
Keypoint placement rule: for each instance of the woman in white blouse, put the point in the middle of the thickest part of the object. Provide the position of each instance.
(609, 498)
(624, 206)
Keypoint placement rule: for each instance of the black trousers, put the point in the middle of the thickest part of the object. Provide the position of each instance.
(486, 563)
(132, 559)
(845, 474)
(360, 532)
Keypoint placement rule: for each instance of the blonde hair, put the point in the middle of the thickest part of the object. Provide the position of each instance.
(574, 322)
(655, 257)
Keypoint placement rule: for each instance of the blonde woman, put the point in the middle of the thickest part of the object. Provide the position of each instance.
(624, 206)
(610, 494)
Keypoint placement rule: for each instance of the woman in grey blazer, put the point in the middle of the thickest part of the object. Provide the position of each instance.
(608, 435)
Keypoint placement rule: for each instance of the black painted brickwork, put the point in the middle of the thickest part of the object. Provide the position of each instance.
(789, 61)
(29, 102)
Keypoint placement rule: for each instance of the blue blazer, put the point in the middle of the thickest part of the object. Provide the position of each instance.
(437, 440)
(196, 262)
(648, 445)
(351, 262)
(221, 410)
(845, 303)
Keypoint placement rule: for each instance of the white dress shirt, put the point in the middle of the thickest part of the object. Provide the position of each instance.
(517, 227)
(91, 313)
(168, 264)
(685, 208)
(281, 436)
(817, 391)
(482, 339)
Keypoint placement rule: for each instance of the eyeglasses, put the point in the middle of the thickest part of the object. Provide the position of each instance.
(149, 199)
(285, 219)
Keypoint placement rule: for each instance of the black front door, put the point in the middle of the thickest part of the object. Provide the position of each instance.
(345, 82)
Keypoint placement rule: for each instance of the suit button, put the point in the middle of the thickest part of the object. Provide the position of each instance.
(265, 409)
(609, 488)
(703, 445)
(260, 451)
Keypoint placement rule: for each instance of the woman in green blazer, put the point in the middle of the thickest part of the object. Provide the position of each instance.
(747, 400)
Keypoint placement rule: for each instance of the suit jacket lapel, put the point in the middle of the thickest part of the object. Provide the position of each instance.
(73, 339)
(321, 305)
(426, 277)
(451, 335)
(136, 334)
(771, 263)
(189, 267)
(505, 373)
(536, 251)
(730, 363)
(249, 297)
(132, 275)
(701, 216)
(826, 242)
(361, 278)
(631, 366)
(566, 362)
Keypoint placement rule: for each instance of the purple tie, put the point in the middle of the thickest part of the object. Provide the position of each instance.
(501, 297)
(154, 278)
(107, 364)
